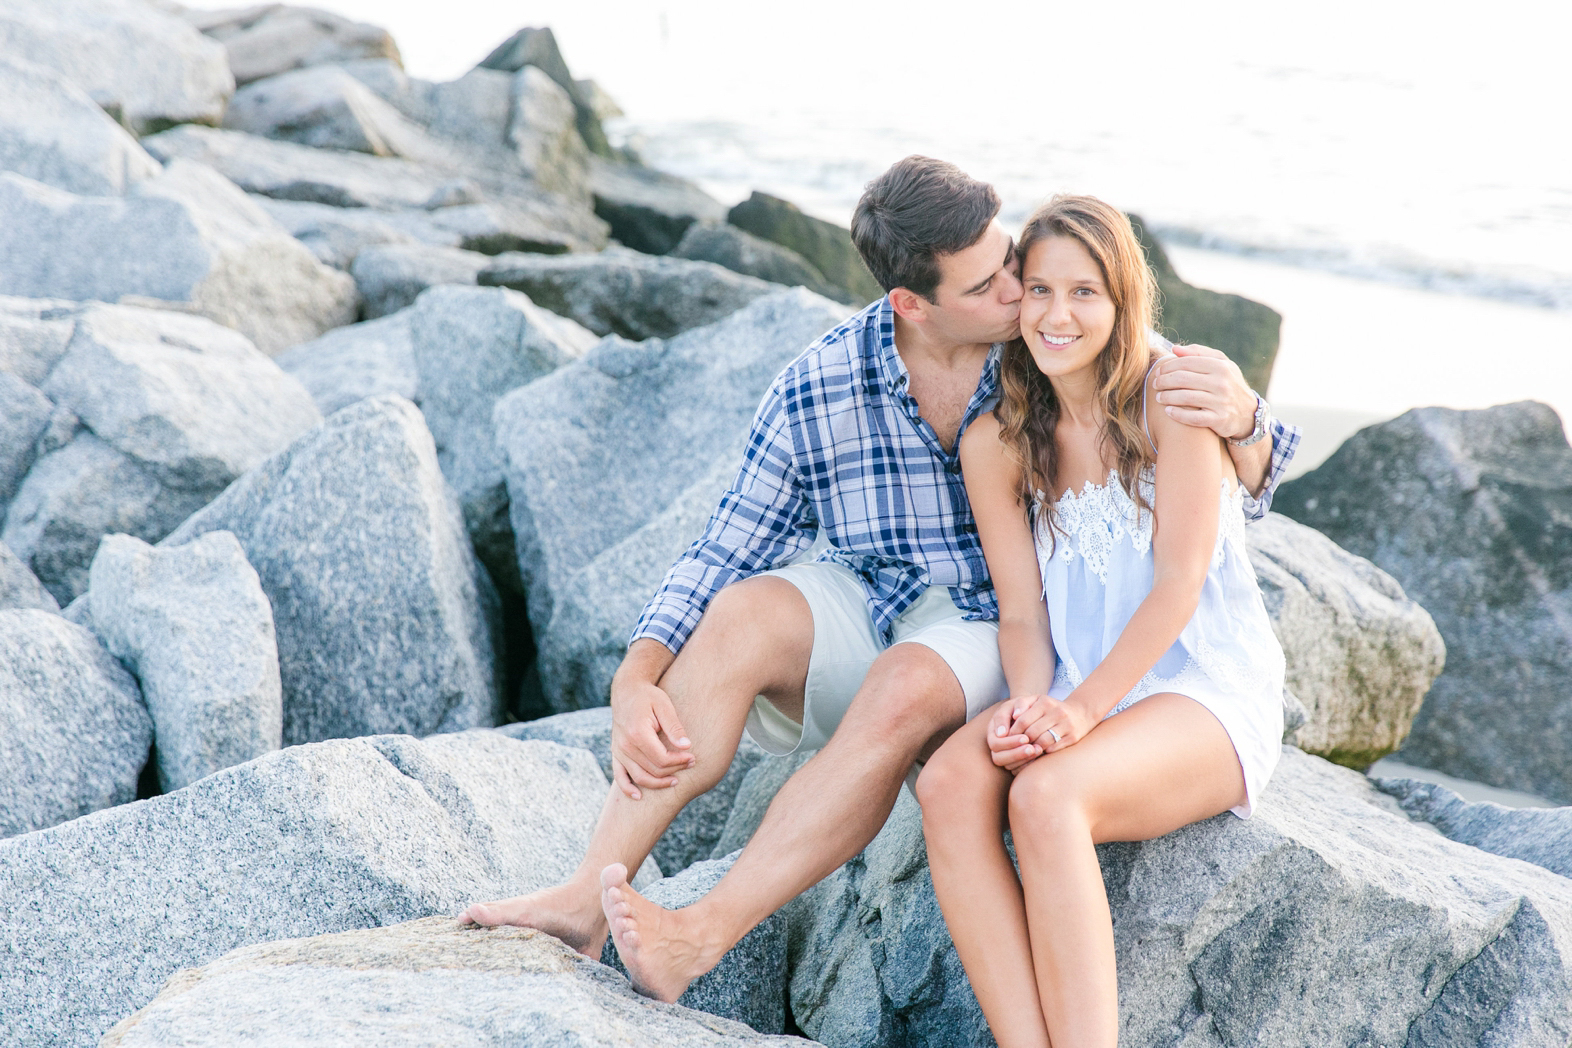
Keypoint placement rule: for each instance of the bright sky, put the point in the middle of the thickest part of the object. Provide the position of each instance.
(689, 58)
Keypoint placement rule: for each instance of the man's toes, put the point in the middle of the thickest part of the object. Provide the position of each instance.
(614, 876)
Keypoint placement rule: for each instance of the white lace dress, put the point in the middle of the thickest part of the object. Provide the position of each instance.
(1228, 659)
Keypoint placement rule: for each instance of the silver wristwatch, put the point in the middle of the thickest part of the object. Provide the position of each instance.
(1263, 419)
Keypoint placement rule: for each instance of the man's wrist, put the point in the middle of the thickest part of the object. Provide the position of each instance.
(1260, 422)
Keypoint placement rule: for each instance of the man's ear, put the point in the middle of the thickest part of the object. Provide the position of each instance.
(909, 304)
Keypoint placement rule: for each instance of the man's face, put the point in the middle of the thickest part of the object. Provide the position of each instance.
(979, 294)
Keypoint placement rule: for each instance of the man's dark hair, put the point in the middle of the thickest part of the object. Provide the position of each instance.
(919, 209)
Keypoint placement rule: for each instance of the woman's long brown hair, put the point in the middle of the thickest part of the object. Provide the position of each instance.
(1028, 409)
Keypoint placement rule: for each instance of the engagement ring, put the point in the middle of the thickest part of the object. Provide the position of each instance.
(1055, 735)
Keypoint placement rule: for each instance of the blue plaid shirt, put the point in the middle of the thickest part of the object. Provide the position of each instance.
(838, 444)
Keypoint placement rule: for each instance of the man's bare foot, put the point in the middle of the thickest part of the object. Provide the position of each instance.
(566, 911)
(663, 950)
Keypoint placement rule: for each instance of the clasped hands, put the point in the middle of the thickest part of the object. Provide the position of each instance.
(1022, 729)
(649, 745)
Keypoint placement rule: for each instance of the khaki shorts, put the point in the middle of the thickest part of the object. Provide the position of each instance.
(845, 643)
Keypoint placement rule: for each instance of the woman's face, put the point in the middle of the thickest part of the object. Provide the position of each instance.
(1067, 315)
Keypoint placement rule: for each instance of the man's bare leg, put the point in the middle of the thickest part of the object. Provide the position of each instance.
(824, 815)
(755, 639)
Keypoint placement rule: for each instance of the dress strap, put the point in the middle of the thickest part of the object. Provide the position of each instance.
(1146, 422)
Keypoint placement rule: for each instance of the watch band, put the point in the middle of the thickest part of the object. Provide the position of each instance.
(1262, 415)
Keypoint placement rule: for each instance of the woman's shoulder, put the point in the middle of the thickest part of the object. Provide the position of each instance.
(984, 429)
(1156, 420)
(982, 448)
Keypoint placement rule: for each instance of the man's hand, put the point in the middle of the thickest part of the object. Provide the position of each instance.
(1199, 386)
(648, 742)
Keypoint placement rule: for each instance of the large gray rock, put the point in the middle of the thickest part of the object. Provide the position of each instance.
(140, 63)
(695, 834)
(355, 362)
(1328, 918)
(1361, 654)
(33, 335)
(472, 111)
(826, 246)
(195, 401)
(421, 983)
(1542, 836)
(543, 134)
(24, 413)
(19, 587)
(621, 292)
(50, 130)
(742, 252)
(391, 276)
(194, 627)
(1246, 330)
(291, 171)
(268, 39)
(325, 107)
(471, 346)
(175, 407)
(78, 493)
(313, 839)
(514, 216)
(749, 983)
(592, 615)
(187, 236)
(649, 210)
(337, 235)
(596, 449)
(384, 621)
(1472, 512)
(538, 48)
(76, 733)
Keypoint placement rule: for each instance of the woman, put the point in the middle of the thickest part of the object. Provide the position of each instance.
(1145, 680)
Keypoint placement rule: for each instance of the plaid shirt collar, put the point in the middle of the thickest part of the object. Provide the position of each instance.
(892, 369)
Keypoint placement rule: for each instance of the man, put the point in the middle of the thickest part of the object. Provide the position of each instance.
(883, 646)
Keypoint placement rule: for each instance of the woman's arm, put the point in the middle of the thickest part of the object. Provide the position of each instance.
(1025, 647)
(1189, 476)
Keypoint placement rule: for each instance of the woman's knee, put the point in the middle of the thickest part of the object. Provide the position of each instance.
(1044, 799)
(951, 781)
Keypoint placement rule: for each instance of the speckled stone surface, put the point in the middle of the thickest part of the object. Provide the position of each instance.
(313, 839)
(420, 984)
(76, 734)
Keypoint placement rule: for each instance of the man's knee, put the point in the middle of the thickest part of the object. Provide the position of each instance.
(757, 635)
(910, 684)
(764, 606)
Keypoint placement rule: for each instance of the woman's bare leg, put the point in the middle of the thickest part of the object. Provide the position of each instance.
(1162, 764)
(963, 796)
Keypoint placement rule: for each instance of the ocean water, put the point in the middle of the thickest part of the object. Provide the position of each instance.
(1396, 179)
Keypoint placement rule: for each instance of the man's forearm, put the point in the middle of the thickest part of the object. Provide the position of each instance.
(646, 662)
(1252, 464)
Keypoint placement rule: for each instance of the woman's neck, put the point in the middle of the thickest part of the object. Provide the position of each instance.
(1079, 403)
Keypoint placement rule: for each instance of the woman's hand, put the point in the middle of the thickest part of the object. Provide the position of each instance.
(1010, 750)
(1050, 724)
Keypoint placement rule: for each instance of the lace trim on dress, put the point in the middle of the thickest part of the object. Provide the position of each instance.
(1090, 524)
